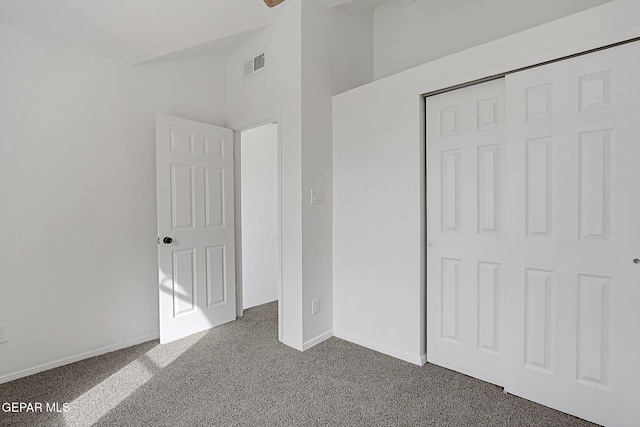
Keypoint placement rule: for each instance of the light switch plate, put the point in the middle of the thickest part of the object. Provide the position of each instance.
(316, 197)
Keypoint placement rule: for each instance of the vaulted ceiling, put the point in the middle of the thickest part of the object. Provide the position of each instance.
(135, 31)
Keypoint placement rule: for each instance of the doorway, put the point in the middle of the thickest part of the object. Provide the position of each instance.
(258, 222)
(259, 214)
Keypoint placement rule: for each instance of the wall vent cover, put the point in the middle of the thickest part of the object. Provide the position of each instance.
(254, 65)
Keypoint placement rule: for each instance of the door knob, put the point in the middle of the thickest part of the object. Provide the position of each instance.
(429, 244)
(636, 261)
(167, 240)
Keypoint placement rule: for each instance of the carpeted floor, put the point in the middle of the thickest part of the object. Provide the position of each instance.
(239, 374)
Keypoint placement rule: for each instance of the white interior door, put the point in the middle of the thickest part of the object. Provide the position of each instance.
(196, 240)
(465, 230)
(533, 279)
(574, 168)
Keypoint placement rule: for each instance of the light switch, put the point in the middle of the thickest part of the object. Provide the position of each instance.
(316, 197)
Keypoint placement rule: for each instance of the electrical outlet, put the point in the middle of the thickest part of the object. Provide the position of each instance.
(315, 306)
(4, 332)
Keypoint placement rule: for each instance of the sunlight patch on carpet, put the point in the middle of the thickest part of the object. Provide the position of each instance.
(106, 396)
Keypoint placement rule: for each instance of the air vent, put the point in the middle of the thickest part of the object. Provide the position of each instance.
(254, 65)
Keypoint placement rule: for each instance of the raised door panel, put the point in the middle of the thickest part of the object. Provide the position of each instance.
(540, 322)
(539, 187)
(216, 273)
(184, 282)
(594, 185)
(593, 355)
(489, 188)
(488, 281)
(214, 197)
(182, 197)
(450, 189)
(450, 291)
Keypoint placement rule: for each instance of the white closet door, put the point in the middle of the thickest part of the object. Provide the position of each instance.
(531, 275)
(573, 166)
(466, 230)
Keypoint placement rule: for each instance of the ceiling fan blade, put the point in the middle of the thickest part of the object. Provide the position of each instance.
(272, 3)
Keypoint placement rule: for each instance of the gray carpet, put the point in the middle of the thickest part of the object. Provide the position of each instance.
(239, 374)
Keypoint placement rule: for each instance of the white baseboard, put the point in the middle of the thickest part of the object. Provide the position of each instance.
(77, 358)
(415, 359)
(317, 340)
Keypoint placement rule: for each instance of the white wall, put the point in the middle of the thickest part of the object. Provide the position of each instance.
(77, 187)
(337, 55)
(349, 34)
(259, 183)
(405, 37)
(306, 64)
(316, 170)
(378, 151)
(277, 89)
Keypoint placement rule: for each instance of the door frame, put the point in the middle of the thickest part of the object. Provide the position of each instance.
(517, 70)
(239, 127)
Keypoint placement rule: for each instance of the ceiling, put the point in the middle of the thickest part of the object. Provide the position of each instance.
(135, 31)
